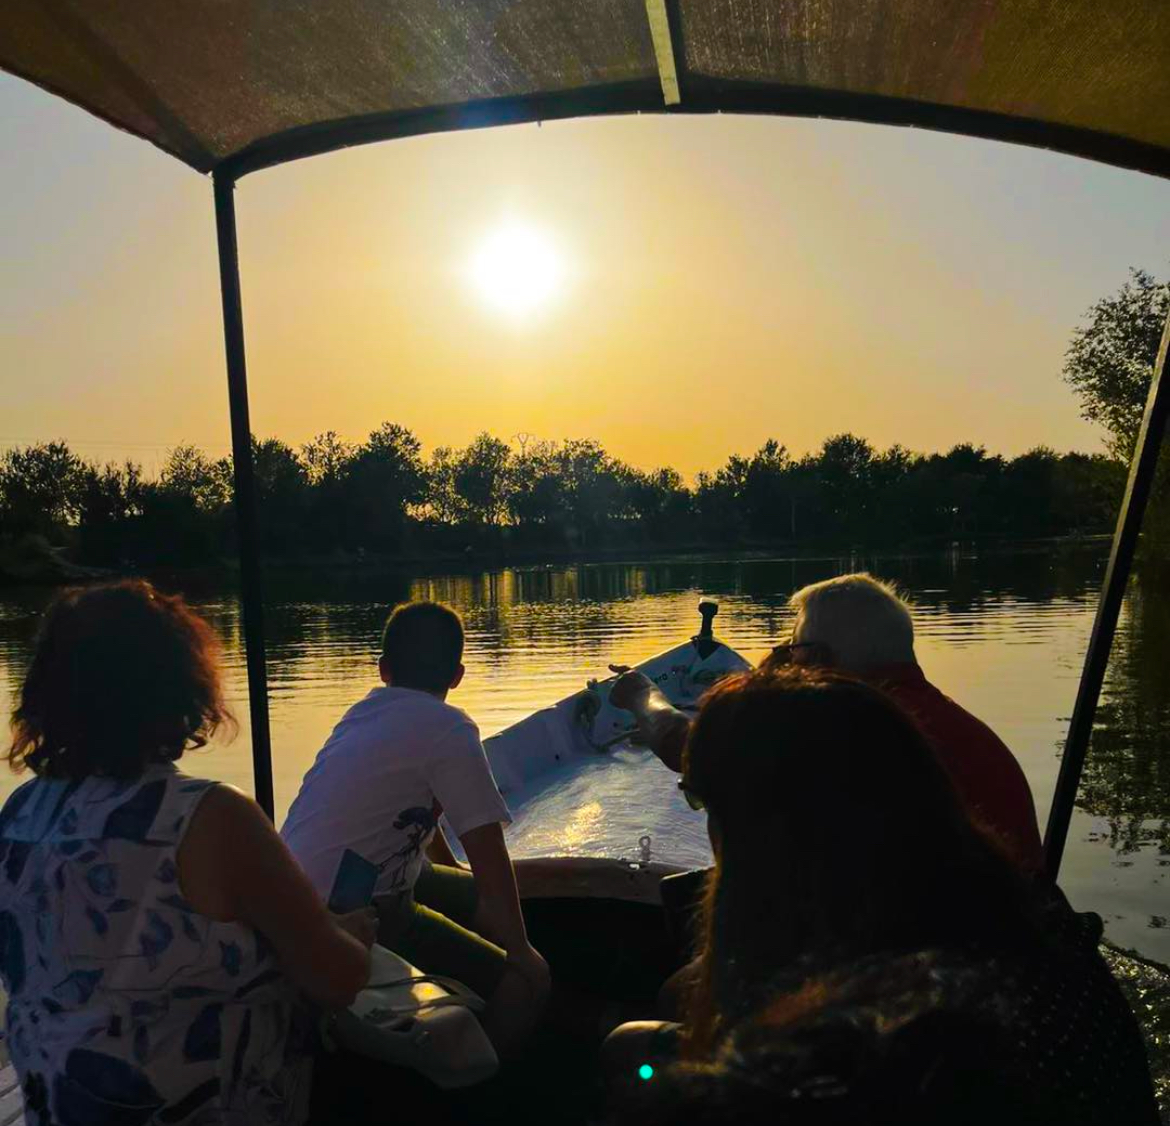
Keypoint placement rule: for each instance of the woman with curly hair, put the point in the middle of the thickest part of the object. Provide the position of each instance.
(155, 934)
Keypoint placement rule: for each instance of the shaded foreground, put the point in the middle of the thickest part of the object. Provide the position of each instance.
(608, 956)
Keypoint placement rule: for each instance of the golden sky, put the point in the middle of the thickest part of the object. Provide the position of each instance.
(722, 280)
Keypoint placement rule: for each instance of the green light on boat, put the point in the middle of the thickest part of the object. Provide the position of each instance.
(645, 1072)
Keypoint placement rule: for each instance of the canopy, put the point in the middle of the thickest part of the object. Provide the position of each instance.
(235, 85)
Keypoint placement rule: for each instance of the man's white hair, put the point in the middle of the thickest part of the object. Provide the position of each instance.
(864, 621)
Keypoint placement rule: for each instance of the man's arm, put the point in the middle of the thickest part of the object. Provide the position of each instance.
(662, 727)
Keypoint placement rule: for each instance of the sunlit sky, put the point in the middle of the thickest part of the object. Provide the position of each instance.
(679, 288)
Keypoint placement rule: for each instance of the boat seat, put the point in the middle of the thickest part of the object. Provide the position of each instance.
(11, 1098)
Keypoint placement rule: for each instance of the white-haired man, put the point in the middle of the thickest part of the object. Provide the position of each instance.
(859, 625)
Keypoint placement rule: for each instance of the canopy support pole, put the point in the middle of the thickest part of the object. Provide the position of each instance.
(1125, 537)
(662, 34)
(245, 490)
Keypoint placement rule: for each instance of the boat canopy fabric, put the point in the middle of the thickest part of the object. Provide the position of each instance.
(235, 85)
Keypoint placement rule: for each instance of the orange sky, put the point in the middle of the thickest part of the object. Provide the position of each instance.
(726, 280)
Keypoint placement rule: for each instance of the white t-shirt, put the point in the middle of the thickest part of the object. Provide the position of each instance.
(396, 760)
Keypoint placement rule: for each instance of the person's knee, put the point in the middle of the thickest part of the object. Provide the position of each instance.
(634, 1046)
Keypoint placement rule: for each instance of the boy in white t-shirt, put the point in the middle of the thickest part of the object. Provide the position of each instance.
(398, 759)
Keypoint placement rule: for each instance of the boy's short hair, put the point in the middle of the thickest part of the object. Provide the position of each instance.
(422, 646)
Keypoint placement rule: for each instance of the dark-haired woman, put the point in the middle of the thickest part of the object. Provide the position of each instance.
(841, 848)
(155, 934)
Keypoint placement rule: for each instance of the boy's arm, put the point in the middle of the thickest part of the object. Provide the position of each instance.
(462, 783)
(497, 913)
(439, 850)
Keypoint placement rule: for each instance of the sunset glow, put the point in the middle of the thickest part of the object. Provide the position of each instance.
(670, 287)
(517, 270)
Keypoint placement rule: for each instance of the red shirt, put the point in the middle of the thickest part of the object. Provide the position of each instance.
(985, 773)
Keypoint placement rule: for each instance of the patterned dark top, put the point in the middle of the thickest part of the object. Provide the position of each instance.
(1049, 1021)
(125, 1005)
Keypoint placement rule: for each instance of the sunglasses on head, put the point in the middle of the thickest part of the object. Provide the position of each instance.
(693, 799)
(789, 646)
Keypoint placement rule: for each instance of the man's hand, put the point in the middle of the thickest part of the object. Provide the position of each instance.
(362, 924)
(661, 726)
(631, 687)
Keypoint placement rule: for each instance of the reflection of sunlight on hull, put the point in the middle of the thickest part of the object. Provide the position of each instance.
(601, 806)
(567, 839)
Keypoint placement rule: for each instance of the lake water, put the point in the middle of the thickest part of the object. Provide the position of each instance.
(1002, 632)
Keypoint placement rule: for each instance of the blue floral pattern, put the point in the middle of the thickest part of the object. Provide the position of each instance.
(126, 1005)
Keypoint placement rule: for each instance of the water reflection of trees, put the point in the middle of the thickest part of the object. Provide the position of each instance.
(325, 626)
(320, 625)
(1127, 772)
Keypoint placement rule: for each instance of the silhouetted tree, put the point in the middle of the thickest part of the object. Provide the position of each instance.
(384, 480)
(1110, 364)
(535, 496)
(480, 477)
(660, 502)
(40, 489)
(1110, 361)
(282, 498)
(326, 460)
(188, 473)
(844, 468)
(112, 501)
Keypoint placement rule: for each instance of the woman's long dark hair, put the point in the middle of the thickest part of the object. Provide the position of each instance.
(837, 835)
(122, 676)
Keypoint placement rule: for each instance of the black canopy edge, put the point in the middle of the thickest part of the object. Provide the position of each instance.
(645, 96)
(201, 161)
(704, 96)
(640, 96)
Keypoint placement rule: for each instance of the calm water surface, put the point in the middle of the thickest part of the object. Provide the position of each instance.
(1004, 633)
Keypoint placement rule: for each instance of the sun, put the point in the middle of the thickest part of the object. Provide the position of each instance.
(517, 270)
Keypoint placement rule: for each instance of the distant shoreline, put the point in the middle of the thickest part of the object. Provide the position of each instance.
(47, 568)
(637, 553)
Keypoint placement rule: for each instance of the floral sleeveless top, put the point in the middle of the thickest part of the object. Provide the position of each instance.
(125, 1005)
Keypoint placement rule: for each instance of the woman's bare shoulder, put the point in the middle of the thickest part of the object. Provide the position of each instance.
(226, 812)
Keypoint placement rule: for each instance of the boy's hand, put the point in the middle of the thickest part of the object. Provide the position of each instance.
(528, 962)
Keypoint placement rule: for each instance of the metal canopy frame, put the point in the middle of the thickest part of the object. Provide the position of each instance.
(698, 96)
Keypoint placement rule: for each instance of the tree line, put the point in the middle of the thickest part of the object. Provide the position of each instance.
(382, 496)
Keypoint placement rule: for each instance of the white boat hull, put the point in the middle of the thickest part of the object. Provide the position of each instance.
(586, 723)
